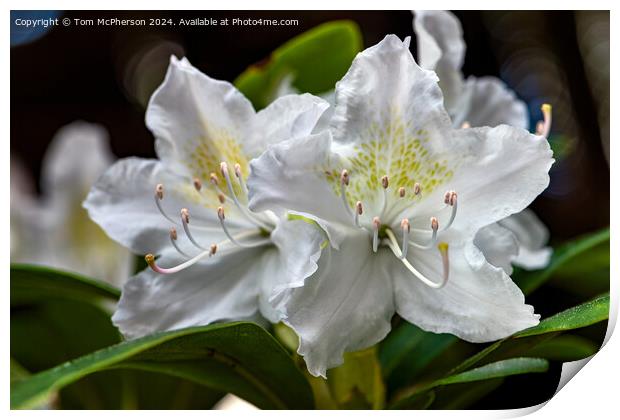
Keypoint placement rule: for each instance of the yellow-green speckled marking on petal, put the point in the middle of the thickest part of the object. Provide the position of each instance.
(204, 156)
(395, 149)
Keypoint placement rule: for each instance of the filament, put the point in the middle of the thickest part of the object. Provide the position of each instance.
(221, 216)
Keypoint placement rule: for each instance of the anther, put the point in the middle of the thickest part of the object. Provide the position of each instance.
(376, 224)
(197, 184)
(221, 198)
(220, 213)
(224, 169)
(401, 192)
(239, 176)
(417, 189)
(466, 124)
(159, 191)
(344, 181)
(185, 215)
(173, 241)
(385, 181)
(237, 170)
(434, 224)
(544, 128)
(358, 212)
(213, 249)
(213, 178)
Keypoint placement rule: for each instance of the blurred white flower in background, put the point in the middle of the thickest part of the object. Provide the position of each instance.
(53, 229)
(478, 102)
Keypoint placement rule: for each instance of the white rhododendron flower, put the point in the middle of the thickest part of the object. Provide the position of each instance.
(54, 229)
(401, 194)
(477, 102)
(217, 259)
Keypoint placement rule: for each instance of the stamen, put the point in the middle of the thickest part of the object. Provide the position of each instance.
(385, 183)
(344, 182)
(159, 195)
(358, 212)
(376, 224)
(401, 192)
(451, 200)
(406, 229)
(222, 217)
(185, 221)
(197, 184)
(443, 250)
(150, 260)
(433, 240)
(417, 189)
(231, 190)
(466, 124)
(173, 240)
(543, 128)
(213, 178)
(239, 176)
(221, 198)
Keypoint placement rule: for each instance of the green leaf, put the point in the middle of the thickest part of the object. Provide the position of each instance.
(579, 316)
(357, 383)
(315, 60)
(565, 348)
(56, 317)
(31, 283)
(241, 358)
(577, 259)
(501, 369)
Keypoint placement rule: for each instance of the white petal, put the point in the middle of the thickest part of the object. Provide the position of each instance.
(480, 303)
(532, 236)
(224, 287)
(197, 121)
(441, 48)
(299, 244)
(498, 245)
(487, 101)
(288, 176)
(385, 86)
(122, 203)
(287, 117)
(349, 308)
(495, 171)
(78, 154)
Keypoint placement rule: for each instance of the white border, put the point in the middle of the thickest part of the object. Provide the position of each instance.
(594, 391)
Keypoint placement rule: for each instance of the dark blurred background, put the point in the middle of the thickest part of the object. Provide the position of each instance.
(106, 75)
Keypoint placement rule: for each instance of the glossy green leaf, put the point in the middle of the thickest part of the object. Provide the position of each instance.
(501, 369)
(577, 259)
(241, 358)
(31, 283)
(314, 60)
(462, 396)
(579, 316)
